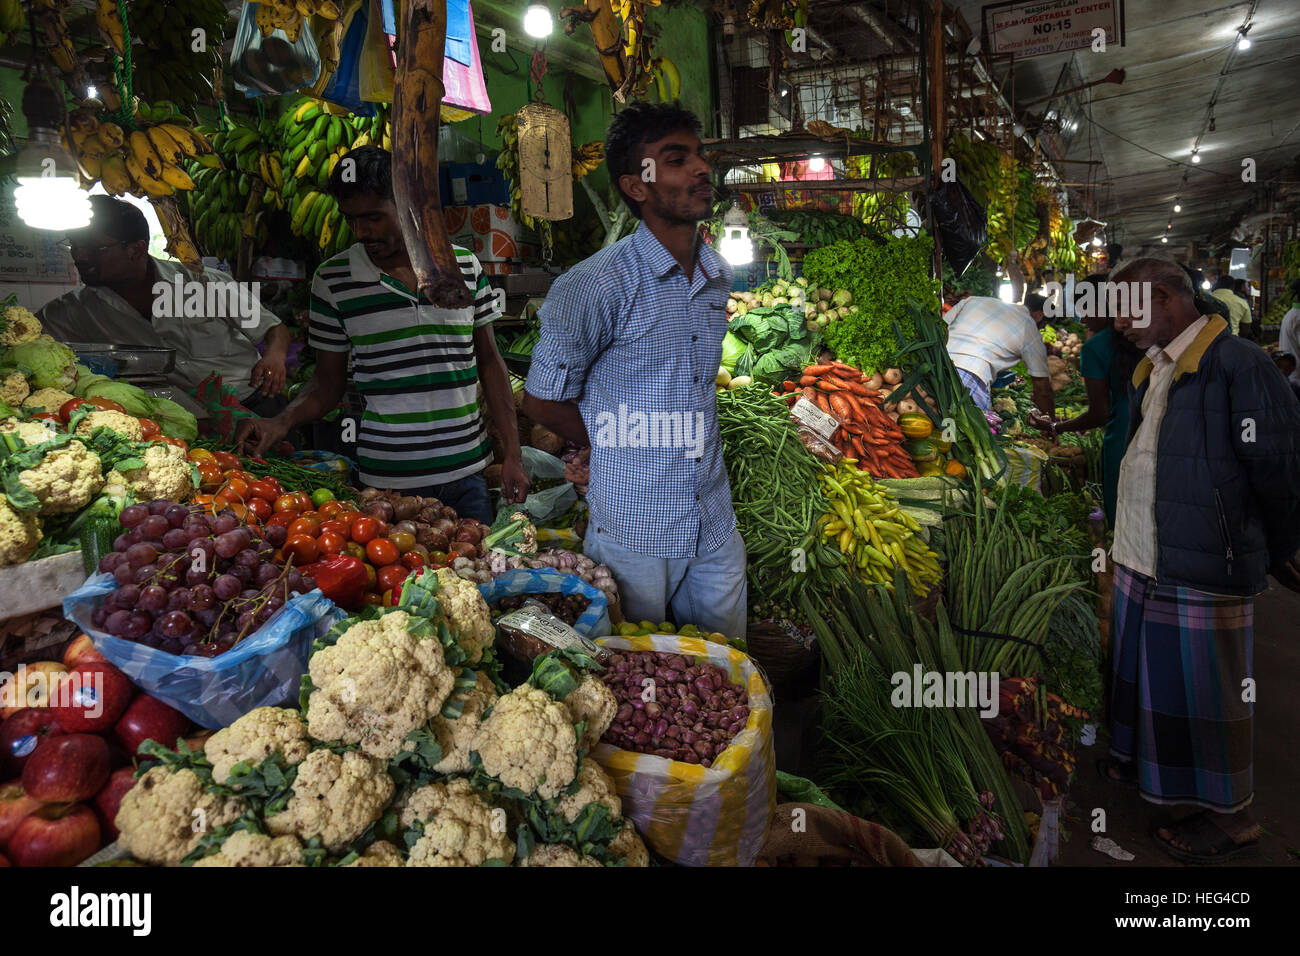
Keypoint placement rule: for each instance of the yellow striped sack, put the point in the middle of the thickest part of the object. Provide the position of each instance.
(694, 815)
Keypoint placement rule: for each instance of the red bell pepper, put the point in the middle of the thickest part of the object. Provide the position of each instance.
(341, 578)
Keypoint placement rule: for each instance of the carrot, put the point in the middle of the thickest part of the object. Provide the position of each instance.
(845, 367)
(853, 428)
(857, 388)
(860, 448)
(854, 406)
(810, 394)
(817, 369)
(840, 405)
(788, 386)
(828, 385)
(823, 403)
(790, 397)
(808, 380)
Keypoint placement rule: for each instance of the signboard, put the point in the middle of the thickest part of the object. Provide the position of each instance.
(27, 254)
(1038, 27)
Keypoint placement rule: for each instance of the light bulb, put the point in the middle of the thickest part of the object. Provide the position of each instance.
(537, 21)
(1196, 157)
(56, 203)
(816, 164)
(1206, 285)
(1178, 207)
(1243, 42)
(1164, 238)
(1096, 242)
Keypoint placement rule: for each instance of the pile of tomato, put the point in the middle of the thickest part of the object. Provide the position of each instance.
(315, 525)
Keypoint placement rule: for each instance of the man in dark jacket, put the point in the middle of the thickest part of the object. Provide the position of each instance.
(1209, 505)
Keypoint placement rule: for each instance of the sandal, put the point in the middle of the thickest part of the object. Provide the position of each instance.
(1210, 843)
(1125, 774)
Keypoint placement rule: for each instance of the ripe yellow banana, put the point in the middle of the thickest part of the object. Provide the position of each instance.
(111, 135)
(169, 151)
(109, 21)
(176, 177)
(113, 175)
(151, 185)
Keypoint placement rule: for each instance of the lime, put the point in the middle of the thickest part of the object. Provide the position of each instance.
(320, 496)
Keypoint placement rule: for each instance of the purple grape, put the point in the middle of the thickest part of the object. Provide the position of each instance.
(171, 645)
(294, 579)
(111, 560)
(246, 622)
(225, 523)
(138, 555)
(132, 515)
(137, 625)
(176, 515)
(116, 623)
(249, 594)
(201, 597)
(308, 583)
(98, 617)
(145, 574)
(153, 599)
(276, 535)
(124, 574)
(179, 600)
(266, 573)
(226, 587)
(153, 527)
(159, 505)
(244, 574)
(175, 624)
(207, 616)
(248, 558)
(194, 576)
(175, 539)
(123, 541)
(195, 533)
(192, 650)
(226, 643)
(128, 596)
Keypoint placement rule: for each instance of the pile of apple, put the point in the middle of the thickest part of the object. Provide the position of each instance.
(63, 772)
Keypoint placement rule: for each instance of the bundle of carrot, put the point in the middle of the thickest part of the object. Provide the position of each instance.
(866, 433)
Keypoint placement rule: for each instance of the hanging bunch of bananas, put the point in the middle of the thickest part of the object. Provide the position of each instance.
(58, 46)
(587, 157)
(148, 160)
(667, 79)
(315, 139)
(1064, 253)
(772, 14)
(637, 54)
(167, 34)
(978, 167)
(288, 16)
(885, 209)
(12, 19)
(232, 202)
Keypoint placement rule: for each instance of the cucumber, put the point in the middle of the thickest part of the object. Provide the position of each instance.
(97, 536)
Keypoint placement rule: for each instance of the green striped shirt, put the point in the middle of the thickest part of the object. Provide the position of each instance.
(415, 365)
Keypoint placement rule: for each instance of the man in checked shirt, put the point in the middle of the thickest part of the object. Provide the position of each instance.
(631, 340)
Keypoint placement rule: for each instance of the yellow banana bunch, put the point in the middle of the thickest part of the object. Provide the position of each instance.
(109, 21)
(147, 161)
(587, 157)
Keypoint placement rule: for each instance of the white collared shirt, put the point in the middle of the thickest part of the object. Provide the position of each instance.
(1135, 519)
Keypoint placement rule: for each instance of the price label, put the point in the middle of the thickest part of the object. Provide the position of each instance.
(810, 416)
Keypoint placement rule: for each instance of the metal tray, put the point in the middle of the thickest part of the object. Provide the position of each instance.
(130, 359)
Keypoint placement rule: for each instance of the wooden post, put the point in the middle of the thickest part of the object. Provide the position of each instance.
(936, 106)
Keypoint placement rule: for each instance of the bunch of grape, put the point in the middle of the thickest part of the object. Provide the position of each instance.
(567, 607)
(191, 582)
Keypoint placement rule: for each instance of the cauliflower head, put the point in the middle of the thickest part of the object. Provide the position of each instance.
(627, 846)
(591, 701)
(66, 479)
(594, 786)
(14, 388)
(34, 432)
(254, 737)
(18, 325)
(528, 742)
(50, 399)
(557, 854)
(459, 828)
(19, 534)
(376, 685)
(165, 473)
(125, 425)
(335, 797)
(246, 848)
(456, 737)
(163, 817)
(379, 853)
(467, 613)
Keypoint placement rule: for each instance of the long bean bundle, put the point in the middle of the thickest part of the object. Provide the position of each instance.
(776, 496)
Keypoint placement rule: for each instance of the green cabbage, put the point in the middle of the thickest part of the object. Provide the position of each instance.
(85, 379)
(134, 400)
(174, 420)
(733, 347)
(52, 364)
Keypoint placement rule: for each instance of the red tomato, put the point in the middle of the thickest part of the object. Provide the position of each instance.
(303, 499)
(262, 489)
(302, 548)
(260, 507)
(197, 455)
(286, 503)
(237, 508)
(105, 404)
(364, 529)
(283, 518)
(391, 576)
(354, 549)
(275, 484)
(236, 488)
(227, 461)
(370, 597)
(404, 540)
(329, 509)
(307, 524)
(336, 526)
(412, 560)
(209, 476)
(68, 407)
(149, 428)
(330, 542)
(182, 445)
(381, 551)
(437, 559)
(47, 417)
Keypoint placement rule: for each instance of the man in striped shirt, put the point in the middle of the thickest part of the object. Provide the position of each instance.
(417, 365)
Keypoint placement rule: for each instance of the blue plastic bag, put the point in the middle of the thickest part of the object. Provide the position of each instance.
(264, 670)
(594, 621)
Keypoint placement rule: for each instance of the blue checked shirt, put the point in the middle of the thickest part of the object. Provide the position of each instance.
(629, 337)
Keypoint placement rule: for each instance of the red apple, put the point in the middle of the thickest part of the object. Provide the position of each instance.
(148, 718)
(108, 800)
(15, 804)
(67, 769)
(92, 698)
(28, 687)
(81, 651)
(62, 834)
(22, 733)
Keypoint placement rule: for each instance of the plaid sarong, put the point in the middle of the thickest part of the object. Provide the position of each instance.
(1180, 657)
(978, 388)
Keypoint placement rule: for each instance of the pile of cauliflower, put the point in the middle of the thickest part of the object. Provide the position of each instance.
(405, 752)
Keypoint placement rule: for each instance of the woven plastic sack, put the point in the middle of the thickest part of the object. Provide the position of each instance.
(593, 622)
(263, 670)
(694, 815)
(271, 65)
